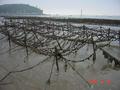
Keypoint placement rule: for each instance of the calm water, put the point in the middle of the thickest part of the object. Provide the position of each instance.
(76, 16)
(85, 16)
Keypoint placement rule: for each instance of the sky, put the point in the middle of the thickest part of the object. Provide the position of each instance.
(73, 7)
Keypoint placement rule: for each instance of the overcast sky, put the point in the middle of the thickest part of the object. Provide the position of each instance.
(73, 7)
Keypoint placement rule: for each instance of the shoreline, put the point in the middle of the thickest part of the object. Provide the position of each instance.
(95, 21)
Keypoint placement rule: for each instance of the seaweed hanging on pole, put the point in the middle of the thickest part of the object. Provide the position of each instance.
(109, 36)
(25, 42)
(65, 66)
(119, 37)
(56, 58)
(117, 63)
(110, 59)
(51, 71)
(9, 39)
(105, 54)
(94, 49)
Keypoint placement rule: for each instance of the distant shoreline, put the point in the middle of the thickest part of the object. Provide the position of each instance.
(73, 20)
